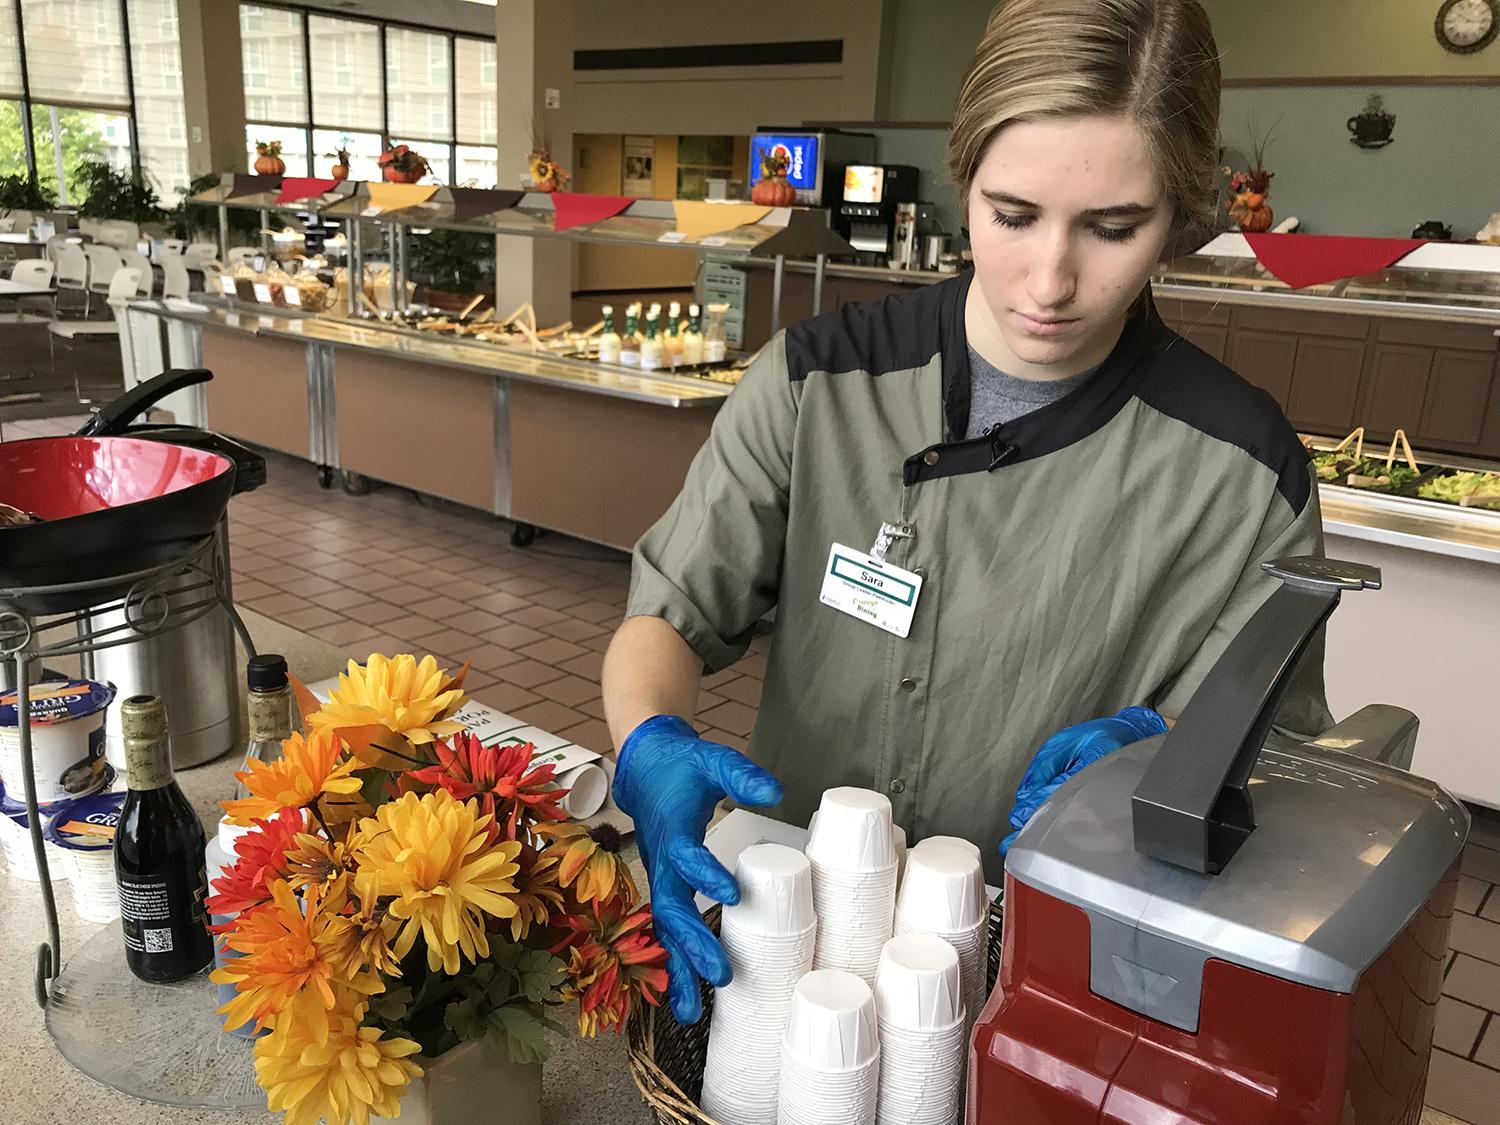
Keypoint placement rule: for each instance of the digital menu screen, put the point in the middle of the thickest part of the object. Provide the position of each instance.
(799, 151)
(863, 183)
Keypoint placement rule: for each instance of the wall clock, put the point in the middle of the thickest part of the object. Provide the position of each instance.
(1465, 26)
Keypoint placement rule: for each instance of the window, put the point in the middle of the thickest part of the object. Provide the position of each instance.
(60, 67)
(347, 83)
(273, 63)
(10, 53)
(475, 82)
(66, 138)
(160, 108)
(421, 103)
(293, 140)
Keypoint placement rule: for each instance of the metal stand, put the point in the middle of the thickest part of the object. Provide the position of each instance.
(148, 609)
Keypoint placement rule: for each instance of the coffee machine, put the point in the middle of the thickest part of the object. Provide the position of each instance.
(875, 198)
(1224, 925)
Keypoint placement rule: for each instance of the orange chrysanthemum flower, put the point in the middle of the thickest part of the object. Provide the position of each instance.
(614, 963)
(360, 940)
(589, 861)
(314, 861)
(513, 793)
(262, 859)
(281, 958)
(308, 769)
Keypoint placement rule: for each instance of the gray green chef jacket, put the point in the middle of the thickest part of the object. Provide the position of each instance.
(1096, 553)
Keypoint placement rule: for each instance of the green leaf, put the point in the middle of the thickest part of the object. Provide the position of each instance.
(465, 1018)
(373, 788)
(391, 1005)
(540, 975)
(523, 1032)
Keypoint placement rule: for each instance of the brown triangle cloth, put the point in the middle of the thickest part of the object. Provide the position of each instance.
(470, 203)
(252, 185)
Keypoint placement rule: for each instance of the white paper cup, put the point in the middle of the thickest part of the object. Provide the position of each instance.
(967, 845)
(918, 983)
(832, 1022)
(588, 788)
(776, 894)
(943, 889)
(853, 831)
(809, 1096)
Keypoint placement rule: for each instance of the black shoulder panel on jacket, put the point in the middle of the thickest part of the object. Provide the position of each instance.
(1188, 384)
(896, 333)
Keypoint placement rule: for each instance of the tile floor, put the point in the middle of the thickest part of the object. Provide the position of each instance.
(388, 572)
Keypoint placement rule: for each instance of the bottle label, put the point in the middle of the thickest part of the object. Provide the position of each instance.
(270, 716)
(148, 765)
(160, 913)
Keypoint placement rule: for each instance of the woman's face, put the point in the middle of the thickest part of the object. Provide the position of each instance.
(1066, 218)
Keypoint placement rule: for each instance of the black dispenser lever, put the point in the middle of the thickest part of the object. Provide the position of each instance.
(1192, 807)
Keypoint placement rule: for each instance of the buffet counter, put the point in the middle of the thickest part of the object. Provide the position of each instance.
(575, 446)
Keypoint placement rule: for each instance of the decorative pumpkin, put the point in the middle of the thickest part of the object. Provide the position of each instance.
(401, 165)
(546, 173)
(340, 170)
(773, 189)
(1247, 204)
(268, 160)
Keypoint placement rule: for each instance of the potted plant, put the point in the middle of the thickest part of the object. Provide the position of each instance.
(190, 222)
(109, 193)
(410, 904)
(340, 171)
(268, 160)
(453, 266)
(21, 193)
(402, 165)
(773, 189)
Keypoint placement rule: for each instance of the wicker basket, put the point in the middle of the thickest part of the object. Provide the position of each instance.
(666, 1059)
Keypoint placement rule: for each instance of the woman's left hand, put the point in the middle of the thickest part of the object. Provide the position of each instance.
(1070, 750)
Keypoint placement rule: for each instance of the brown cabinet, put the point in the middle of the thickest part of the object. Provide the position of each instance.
(1458, 396)
(1325, 384)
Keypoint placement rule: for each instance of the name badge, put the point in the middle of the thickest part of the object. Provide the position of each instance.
(872, 590)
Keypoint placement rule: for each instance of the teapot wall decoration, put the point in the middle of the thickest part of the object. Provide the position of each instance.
(1373, 127)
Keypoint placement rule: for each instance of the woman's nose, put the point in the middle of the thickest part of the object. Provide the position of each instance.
(1052, 279)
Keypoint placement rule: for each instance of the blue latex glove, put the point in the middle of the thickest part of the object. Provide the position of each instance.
(669, 781)
(1070, 750)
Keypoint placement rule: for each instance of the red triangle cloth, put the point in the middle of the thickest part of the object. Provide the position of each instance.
(575, 208)
(1301, 260)
(294, 188)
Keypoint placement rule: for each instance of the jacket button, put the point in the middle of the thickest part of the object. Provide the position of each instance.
(898, 785)
(920, 572)
(908, 684)
(931, 457)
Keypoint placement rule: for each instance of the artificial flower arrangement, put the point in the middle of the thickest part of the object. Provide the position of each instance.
(402, 165)
(407, 889)
(546, 173)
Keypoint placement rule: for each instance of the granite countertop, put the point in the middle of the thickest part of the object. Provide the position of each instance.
(585, 1081)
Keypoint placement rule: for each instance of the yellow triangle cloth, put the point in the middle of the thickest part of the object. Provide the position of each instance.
(393, 197)
(697, 219)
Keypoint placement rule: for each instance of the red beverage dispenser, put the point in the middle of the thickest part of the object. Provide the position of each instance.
(1223, 925)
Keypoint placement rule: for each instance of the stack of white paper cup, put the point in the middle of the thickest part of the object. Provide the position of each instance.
(769, 936)
(943, 895)
(830, 1059)
(898, 841)
(852, 851)
(919, 1006)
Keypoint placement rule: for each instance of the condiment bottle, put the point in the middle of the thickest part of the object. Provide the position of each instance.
(609, 340)
(715, 345)
(651, 354)
(692, 339)
(630, 343)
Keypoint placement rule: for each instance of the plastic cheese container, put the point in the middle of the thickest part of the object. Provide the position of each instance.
(15, 841)
(84, 832)
(67, 740)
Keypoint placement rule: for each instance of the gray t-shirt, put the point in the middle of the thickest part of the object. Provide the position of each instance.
(996, 398)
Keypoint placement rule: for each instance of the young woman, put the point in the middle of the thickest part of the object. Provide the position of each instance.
(1052, 508)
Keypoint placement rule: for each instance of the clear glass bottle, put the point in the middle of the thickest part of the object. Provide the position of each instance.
(715, 344)
(692, 339)
(671, 340)
(269, 703)
(630, 343)
(609, 339)
(651, 352)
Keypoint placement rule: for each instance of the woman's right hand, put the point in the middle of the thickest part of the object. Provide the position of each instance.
(670, 781)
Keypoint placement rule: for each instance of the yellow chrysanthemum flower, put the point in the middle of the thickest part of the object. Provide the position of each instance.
(360, 941)
(433, 857)
(307, 769)
(332, 1069)
(282, 958)
(410, 699)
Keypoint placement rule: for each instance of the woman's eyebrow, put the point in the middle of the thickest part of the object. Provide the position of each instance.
(1112, 211)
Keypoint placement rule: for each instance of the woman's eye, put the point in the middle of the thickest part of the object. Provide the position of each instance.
(1013, 222)
(1114, 234)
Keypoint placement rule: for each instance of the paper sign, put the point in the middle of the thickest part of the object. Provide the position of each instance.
(226, 286)
(293, 296)
(672, 236)
(262, 292)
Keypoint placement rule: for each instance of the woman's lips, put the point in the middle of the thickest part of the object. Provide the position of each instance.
(1054, 326)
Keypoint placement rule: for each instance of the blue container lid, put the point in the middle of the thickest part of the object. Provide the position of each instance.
(87, 824)
(57, 701)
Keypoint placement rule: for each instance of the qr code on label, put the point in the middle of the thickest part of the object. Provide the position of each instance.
(158, 941)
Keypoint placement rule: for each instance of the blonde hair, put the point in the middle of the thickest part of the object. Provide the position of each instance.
(1153, 60)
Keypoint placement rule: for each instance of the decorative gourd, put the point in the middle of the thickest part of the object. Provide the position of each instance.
(268, 160)
(1247, 204)
(401, 165)
(773, 189)
(340, 170)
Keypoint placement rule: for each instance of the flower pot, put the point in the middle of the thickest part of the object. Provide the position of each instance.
(396, 176)
(270, 166)
(473, 1074)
